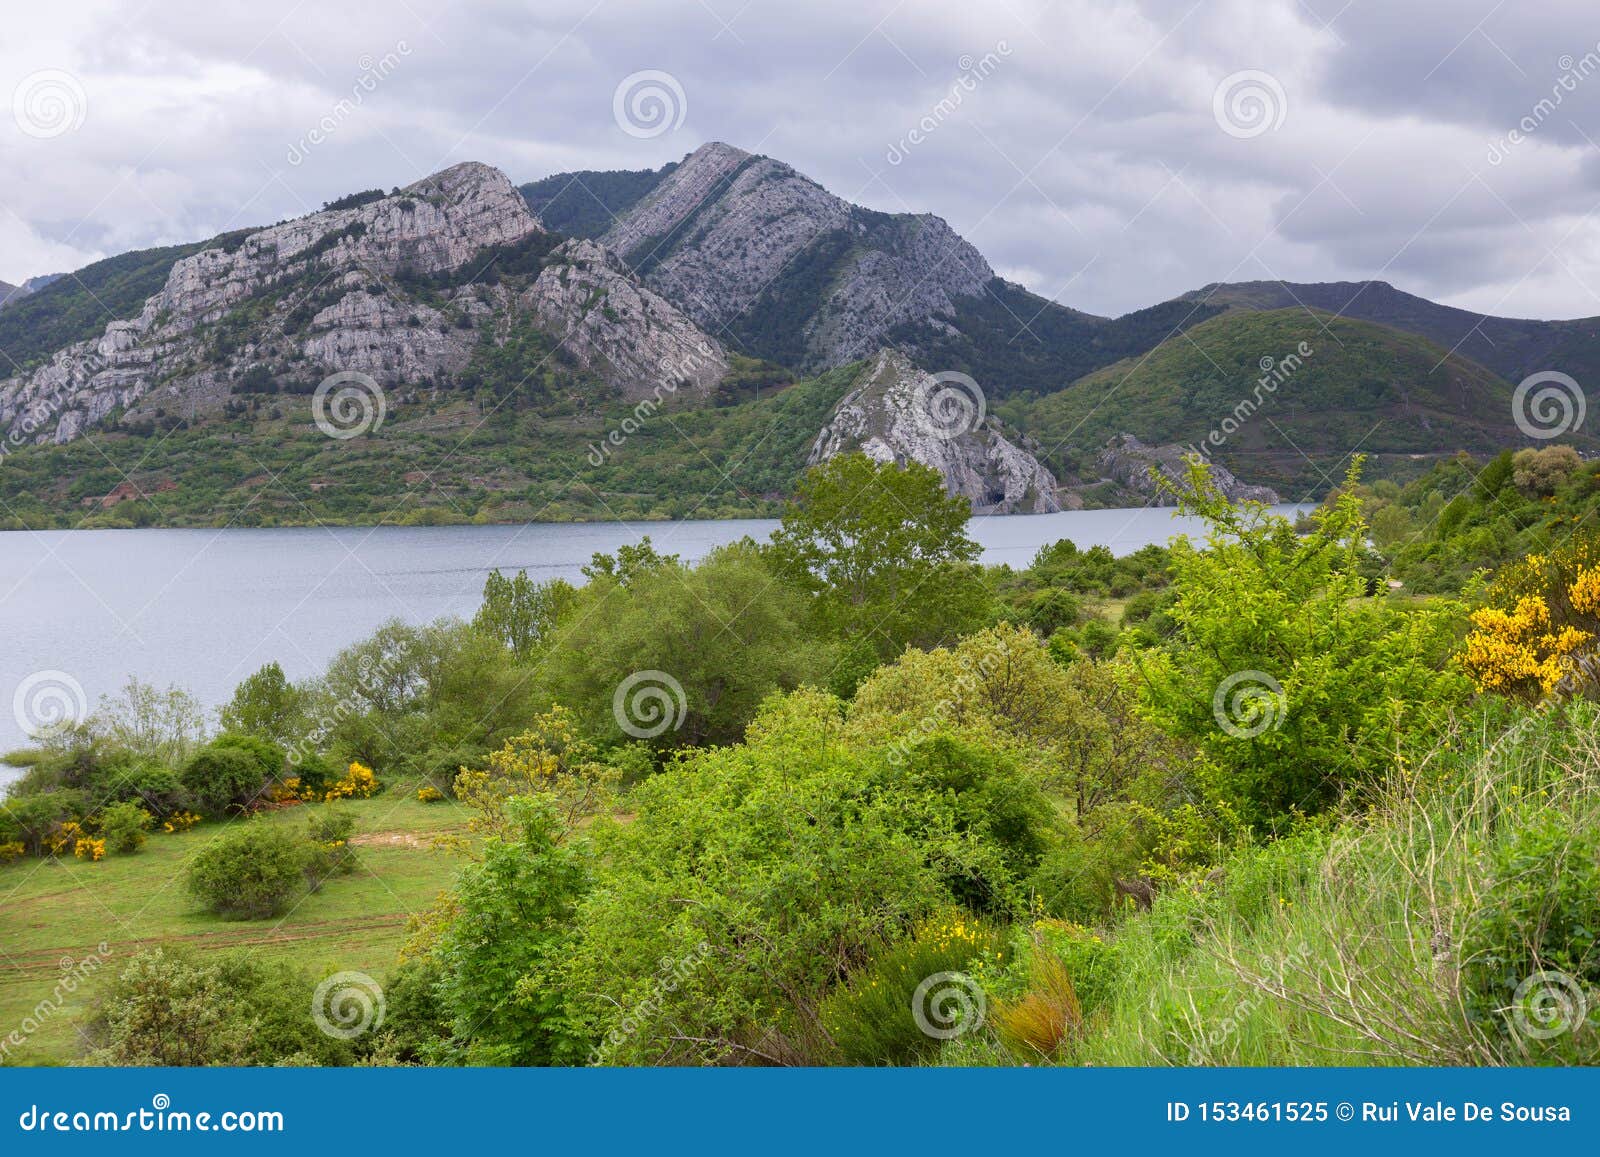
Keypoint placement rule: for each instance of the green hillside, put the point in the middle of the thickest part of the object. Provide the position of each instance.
(438, 457)
(585, 204)
(1398, 397)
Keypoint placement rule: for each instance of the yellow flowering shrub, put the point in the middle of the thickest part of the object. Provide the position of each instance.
(12, 851)
(913, 994)
(180, 822)
(360, 782)
(89, 848)
(549, 759)
(65, 837)
(427, 793)
(1536, 635)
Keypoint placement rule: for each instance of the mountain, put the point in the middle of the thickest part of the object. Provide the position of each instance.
(1511, 347)
(682, 342)
(587, 203)
(9, 291)
(447, 282)
(1280, 397)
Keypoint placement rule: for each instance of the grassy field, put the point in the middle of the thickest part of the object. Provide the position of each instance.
(58, 912)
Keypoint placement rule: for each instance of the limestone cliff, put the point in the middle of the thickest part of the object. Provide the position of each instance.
(895, 412)
(1130, 462)
(747, 243)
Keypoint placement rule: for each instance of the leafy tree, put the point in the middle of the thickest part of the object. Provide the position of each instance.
(675, 655)
(550, 761)
(512, 921)
(520, 614)
(1290, 682)
(884, 551)
(162, 724)
(267, 705)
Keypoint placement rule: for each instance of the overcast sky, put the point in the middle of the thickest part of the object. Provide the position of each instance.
(1106, 154)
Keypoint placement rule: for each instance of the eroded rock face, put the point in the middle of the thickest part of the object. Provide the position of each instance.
(610, 323)
(893, 413)
(1129, 462)
(726, 231)
(326, 293)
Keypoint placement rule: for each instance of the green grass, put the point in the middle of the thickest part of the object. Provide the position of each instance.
(1356, 945)
(53, 911)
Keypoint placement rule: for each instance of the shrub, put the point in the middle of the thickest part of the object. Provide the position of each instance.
(914, 994)
(330, 853)
(123, 826)
(31, 820)
(222, 779)
(269, 757)
(170, 1007)
(1041, 1020)
(249, 872)
(358, 783)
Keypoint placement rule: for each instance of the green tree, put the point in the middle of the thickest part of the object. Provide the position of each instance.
(521, 614)
(884, 551)
(677, 655)
(1292, 684)
(267, 705)
(512, 920)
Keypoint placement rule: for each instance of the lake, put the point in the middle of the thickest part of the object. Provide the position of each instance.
(205, 608)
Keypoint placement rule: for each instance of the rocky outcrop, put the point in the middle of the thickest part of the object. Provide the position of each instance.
(631, 336)
(733, 238)
(1133, 464)
(895, 412)
(294, 302)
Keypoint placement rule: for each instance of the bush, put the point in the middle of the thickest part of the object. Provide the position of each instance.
(1540, 918)
(269, 757)
(123, 826)
(30, 820)
(169, 1007)
(912, 995)
(330, 853)
(223, 778)
(250, 871)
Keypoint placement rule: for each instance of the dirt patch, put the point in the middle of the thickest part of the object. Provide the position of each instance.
(389, 840)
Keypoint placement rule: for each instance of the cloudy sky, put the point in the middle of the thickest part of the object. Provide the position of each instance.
(1106, 154)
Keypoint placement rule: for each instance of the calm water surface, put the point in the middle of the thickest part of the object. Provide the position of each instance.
(204, 608)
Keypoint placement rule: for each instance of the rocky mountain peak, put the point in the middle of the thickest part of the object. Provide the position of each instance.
(610, 323)
(749, 247)
(896, 412)
(326, 295)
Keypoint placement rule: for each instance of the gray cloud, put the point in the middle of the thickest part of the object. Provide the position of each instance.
(1075, 142)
